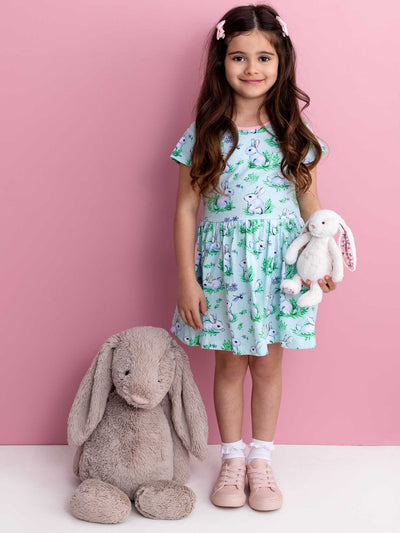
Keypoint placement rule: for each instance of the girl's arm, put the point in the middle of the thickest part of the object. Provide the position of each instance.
(308, 204)
(190, 295)
(309, 201)
(187, 205)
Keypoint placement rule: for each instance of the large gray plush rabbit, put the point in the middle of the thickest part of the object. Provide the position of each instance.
(135, 418)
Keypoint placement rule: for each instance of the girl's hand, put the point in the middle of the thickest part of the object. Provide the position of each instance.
(190, 298)
(327, 286)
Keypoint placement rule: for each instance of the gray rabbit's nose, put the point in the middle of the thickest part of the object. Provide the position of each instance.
(139, 399)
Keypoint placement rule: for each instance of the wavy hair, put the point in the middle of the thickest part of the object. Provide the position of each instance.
(215, 105)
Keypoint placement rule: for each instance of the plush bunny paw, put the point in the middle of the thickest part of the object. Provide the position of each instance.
(291, 286)
(96, 501)
(290, 256)
(164, 500)
(309, 299)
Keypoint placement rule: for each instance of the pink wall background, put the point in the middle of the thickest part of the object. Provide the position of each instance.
(94, 96)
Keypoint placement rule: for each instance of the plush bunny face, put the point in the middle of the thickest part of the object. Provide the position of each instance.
(142, 381)
(144, 365)
(323, 223)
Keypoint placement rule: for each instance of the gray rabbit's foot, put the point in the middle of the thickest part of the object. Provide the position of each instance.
(96, 501)
(164, 500)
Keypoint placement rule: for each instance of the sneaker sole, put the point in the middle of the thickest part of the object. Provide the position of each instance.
(240, 503)
(272, 507)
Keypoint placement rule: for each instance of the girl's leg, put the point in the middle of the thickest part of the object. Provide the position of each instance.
(230, 371)
(266, 373)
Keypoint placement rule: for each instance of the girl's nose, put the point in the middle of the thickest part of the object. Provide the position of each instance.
(251, 68)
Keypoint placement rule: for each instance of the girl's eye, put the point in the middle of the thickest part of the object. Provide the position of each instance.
(262, 57)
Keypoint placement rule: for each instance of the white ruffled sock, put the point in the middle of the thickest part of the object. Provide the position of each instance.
(260, 449)
(231, 450)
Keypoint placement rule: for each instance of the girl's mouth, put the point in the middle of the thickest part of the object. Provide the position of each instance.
(252, 81)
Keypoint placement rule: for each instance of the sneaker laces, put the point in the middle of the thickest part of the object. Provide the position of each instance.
(232, 475)
(261, 477)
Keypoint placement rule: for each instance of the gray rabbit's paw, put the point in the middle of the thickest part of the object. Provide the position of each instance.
(96, 501)
(164, 500)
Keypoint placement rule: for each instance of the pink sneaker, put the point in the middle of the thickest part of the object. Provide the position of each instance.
(228, 490)
(264, 492)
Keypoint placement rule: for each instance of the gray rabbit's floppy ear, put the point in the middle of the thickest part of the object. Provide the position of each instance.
(188, 413)
(347, 245)
(91, 398)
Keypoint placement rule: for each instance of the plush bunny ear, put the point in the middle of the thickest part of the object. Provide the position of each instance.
(188, 413)
(91, 398)
(304, 230)
(347, 245)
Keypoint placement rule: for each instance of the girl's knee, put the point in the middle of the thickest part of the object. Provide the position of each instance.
(230, 365)
(269, 366)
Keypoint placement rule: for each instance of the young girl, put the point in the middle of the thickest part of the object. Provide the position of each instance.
(252, 159)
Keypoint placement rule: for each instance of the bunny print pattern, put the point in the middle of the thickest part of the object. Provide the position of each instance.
(240, 246)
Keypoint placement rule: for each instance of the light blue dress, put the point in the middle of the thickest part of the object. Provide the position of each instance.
(240, 247)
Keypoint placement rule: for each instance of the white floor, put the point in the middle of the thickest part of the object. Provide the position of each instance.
(325, 489)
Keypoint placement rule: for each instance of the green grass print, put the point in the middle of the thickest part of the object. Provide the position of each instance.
(274, 160)
(282, 325)
(252, 227)
(260, 289)
(213, 207)
(227, 345)
(227, 272)
(252, 178)
(193, 342)
(269, 266)
(213, 291)
(274, 308)
(250, 273)
(306, 336)
(268, 207)
(296, 311)
(217, 302)
(211, 332)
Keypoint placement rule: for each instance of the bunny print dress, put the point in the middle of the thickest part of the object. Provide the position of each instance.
(240, 247)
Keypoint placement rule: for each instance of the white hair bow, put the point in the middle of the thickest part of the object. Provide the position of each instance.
(220, 30)
(284, 27)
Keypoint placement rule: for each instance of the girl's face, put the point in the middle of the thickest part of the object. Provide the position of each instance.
(251, 65)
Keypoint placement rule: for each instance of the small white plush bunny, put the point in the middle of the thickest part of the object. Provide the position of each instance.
(320, 255)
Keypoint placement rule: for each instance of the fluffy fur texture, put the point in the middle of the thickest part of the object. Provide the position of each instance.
(154, 500)
(320, 256)
(136, 416)
(96, 501)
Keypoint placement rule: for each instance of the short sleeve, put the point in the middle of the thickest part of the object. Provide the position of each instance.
(310, 156)
(183, 150)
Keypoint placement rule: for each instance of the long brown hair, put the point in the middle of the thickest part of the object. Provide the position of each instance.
(215, 105)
